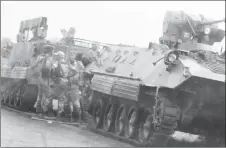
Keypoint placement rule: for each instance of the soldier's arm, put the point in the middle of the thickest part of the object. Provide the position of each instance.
(73, 70)
(81, 66)
(54, 65)
(39, 60)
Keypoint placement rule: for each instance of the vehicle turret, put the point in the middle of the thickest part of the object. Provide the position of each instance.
(180, 27)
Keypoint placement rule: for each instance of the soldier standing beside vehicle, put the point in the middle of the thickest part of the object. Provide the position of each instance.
(63, 88)
(60, 82)
(43, 67)
(74, 93)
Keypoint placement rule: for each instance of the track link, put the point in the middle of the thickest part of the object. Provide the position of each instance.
(166, 123)
(166, 116)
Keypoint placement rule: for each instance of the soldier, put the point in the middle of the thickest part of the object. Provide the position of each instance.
(60, 82)
(86, 93)
(94, 53)
(74, 93)
(64, 87)
(44, 66)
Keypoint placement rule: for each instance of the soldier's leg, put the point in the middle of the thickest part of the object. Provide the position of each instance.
(45, 103)
(59, 92)
(71, 109)
(76, 104)
(47, 92)
(68, 107)
(84, 100)
(60, 107)
(39, 100)
(43, 98)
(38, 104)
(69, 104)
(84, 108)
(50, 107)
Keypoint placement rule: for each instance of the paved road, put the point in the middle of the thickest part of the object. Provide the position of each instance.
(17, 130)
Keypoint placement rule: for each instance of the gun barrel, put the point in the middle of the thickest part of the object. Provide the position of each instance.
(213, 22)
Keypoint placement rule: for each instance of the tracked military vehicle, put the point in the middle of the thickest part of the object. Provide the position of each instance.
(18, 82)
(146, 94)
(203, 44)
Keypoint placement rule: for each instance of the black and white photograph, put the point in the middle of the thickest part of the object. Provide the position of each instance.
(112, 74)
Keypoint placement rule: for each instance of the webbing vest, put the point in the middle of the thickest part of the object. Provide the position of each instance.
(45, 69)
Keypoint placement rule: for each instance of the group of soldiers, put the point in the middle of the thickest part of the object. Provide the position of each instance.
(59, 92)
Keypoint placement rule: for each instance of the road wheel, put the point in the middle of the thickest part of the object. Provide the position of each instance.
(146, 129)
(16, 99)
(3, 96)
(18, 96)
(11, 96)
(130, 127)
(22, 90)
(6, 96)
(109, 117)
(120, 121)
(98, 113)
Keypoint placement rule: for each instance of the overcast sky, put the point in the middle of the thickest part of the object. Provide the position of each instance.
(128, 22)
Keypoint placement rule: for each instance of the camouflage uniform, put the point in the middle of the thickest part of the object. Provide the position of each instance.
(74, 97)
(63, 89)
(95, 54)
(85, 102)
(43, 60)
(61, 82)
(74, 94)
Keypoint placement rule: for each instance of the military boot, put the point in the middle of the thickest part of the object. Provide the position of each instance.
(71, 118)
(67, 112)
(79, 118)
(50, 111)
(38, 108)
(58, 116)
(45, 114)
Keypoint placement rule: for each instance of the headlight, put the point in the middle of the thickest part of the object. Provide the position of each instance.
(172, 57)
(207, 30)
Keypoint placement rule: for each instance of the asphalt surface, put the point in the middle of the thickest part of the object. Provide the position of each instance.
(17, 130)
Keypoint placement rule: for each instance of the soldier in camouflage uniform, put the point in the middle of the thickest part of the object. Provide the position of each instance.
(64, 88)
(44, 66)
(60, 85)
(74, 92)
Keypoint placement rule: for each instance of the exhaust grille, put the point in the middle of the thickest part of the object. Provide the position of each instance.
(215, 67)
(211, 61)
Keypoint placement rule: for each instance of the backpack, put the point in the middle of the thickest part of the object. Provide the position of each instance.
(58, 71)
(45, 70)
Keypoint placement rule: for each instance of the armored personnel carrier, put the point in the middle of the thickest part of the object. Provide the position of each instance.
(18, 82)
(202, 43)
(146, 94)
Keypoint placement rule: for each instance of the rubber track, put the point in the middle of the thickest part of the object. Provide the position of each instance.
(159, 138)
